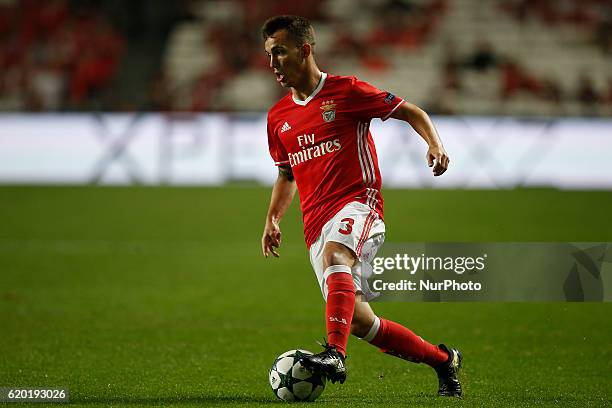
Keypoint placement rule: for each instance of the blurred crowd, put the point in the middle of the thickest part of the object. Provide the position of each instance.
(515, 80)
(593, 16)
(55, 55)
(58, 55)
(235, 38)
(401, 26)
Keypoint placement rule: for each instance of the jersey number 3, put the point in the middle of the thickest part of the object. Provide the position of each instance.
(348, 228)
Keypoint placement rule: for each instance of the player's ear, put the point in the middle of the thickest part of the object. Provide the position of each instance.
(306, 50)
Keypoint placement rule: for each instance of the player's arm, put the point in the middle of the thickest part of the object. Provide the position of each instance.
(422, 124)
(282, 195)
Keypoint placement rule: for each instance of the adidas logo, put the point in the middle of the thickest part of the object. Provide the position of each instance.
(285, 127)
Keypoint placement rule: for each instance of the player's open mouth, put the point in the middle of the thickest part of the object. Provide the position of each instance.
(279, 77)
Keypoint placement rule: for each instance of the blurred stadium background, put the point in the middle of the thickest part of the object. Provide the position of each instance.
(457, 57)
(156, 92)
(138, 294)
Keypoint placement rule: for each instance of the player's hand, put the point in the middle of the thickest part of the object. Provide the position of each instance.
(271, 238)
(438, 159)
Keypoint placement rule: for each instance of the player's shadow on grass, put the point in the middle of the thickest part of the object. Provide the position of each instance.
(204, 399)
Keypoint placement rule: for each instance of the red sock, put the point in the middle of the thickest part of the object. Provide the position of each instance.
(395, 339)
(340, 306)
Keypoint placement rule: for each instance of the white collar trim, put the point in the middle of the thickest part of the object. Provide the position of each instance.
(314, 93)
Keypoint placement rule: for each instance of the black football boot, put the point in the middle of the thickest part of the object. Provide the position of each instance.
(448, 374)
(329, 363)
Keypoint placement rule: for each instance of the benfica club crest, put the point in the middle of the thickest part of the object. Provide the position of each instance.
(329, 110)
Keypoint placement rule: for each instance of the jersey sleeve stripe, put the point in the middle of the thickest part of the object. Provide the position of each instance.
(360, 154)
(368, 154)
(393, 110)
(369, 165)
(281, 162)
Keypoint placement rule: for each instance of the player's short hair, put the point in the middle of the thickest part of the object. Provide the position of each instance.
(299, 29)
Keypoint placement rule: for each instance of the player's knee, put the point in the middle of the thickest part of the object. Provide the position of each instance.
(337, 254)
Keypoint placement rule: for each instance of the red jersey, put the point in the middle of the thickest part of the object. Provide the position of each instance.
(327, 142)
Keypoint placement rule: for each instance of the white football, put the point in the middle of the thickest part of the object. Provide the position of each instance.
(292, 382)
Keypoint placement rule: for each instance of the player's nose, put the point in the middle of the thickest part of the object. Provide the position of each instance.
(273, 62)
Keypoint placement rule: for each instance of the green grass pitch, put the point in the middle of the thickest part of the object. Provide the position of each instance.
(160, 296)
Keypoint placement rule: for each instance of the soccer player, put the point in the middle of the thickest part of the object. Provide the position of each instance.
(318, 136)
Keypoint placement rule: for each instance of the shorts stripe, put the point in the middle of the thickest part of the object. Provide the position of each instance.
(366, 231)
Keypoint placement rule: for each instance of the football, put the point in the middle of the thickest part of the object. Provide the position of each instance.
(290, 381)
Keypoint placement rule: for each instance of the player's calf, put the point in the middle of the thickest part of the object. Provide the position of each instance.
(396, 340)
(363, 318)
